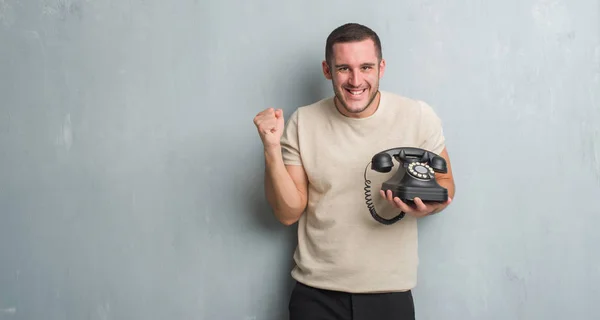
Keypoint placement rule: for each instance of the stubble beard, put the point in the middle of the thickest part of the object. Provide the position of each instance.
(340, 99)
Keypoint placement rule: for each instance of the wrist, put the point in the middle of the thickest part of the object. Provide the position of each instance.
(273, 152)
(272, 149)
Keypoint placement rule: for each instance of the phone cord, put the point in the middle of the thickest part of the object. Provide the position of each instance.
(371, 206)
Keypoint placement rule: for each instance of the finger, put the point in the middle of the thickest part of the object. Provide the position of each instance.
(261, 119)
(420, 209)
(267, 128)
(420, 205)
(403, 206)
(390, 197)
(385, 195)
(267, 124)
(267, 113)
(280, 120)
(401, 203)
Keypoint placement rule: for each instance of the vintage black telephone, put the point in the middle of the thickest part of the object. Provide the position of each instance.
(415, 178)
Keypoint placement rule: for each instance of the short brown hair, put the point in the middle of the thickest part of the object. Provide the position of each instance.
(351, 32)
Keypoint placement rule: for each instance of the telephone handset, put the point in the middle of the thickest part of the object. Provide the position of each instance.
(415, 177)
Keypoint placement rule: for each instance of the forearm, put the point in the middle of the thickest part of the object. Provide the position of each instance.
(287, 201)
(449, 185)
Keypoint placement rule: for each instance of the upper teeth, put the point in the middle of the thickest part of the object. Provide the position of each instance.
(356, 92)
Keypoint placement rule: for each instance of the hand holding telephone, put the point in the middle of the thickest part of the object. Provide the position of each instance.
(415, 177)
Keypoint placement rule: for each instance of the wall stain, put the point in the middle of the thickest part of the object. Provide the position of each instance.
(63, 9)
(520, 291)
(11, 311)
(7, 12)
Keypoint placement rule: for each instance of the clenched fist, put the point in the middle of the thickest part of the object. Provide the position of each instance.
(270, 125)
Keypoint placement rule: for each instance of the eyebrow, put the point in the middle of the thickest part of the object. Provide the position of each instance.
(368, 64)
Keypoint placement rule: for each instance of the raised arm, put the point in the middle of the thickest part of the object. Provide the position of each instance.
(286, 186)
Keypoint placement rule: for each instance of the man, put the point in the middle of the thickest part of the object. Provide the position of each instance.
(349, 266)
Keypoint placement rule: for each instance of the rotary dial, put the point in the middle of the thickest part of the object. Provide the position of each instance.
(420, 170)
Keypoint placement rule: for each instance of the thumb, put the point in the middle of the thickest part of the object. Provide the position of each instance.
(279, 116)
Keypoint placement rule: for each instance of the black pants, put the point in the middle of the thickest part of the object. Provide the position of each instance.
(308, 303)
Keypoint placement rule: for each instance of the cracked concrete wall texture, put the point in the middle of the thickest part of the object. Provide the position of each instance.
(131, 173)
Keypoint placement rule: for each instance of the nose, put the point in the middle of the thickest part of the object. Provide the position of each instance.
(354, 79)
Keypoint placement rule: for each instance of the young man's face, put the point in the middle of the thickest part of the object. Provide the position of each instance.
(355, 72)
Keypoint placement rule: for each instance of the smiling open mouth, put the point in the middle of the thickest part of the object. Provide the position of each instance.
(356, 92)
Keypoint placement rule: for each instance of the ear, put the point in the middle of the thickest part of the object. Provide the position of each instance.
(326, 70)
(381, 68)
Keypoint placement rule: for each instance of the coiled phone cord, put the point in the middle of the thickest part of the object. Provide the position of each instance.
(371, 206)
